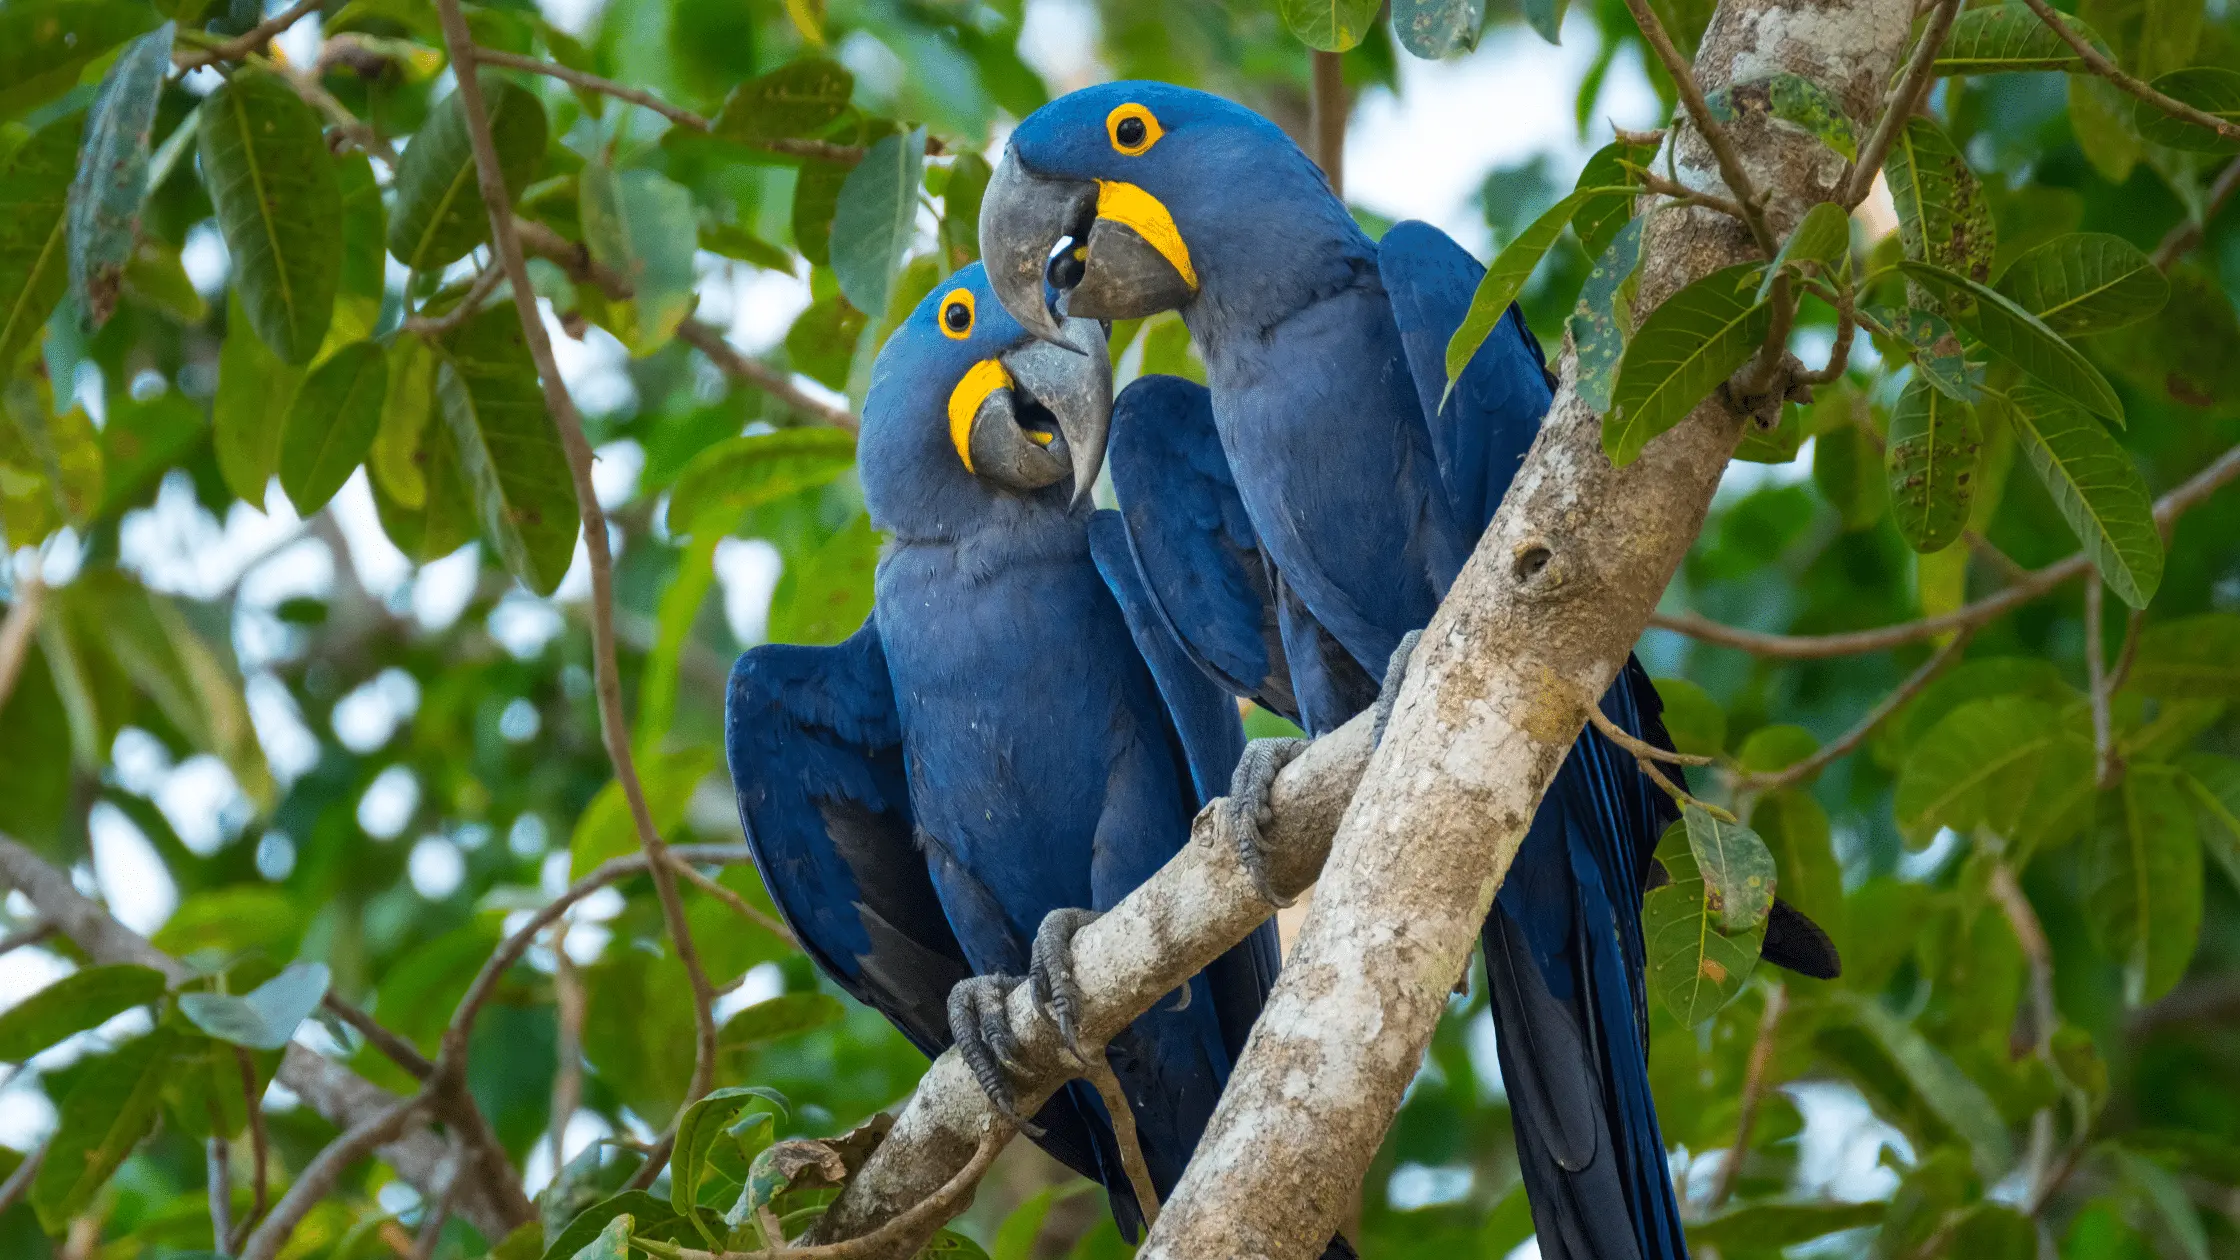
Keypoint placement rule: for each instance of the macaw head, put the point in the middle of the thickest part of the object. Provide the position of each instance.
(1131, 198)
(966, 407)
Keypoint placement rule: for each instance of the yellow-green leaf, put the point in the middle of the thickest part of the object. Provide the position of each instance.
(264, 159)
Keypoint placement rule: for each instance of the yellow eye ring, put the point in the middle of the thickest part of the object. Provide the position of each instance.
(956, 314)
(1132, 128)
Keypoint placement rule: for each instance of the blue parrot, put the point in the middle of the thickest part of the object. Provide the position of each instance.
(1345, 499)
(1011, 743)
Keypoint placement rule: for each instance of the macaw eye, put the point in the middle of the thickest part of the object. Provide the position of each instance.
(956, 315)
(1132, 128)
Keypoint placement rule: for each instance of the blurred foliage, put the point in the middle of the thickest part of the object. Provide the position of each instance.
(398, 784)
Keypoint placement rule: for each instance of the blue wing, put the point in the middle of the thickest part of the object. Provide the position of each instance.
(1481, 435)
(1203, 572)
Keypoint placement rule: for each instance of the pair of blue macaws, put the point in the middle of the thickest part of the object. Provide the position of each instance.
(1040, 702)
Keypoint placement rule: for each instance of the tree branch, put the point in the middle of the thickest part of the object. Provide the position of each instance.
(1920, 71)
(1699, 112)
(1326, 118)
(252, 40)
(2181, 239)
(1798, 772)
(2099, 64)
(606, 674)
(1757, 1078)
(2105, 764)
(317, 1180)
(259, 1148)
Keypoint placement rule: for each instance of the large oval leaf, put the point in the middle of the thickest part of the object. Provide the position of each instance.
(1329, 25)
(44, 44)
(1697, 339)
(1505, 277)
(737, 474)
(1432, 29)
(800, 98)
(2019, 337)
(79, 1001)
(2007, 37)
(331, 424)
(2211, 89)
(1931, 462)
(642, 225)
(508, 451)
(1603, 317)
(1950, 1093)
(2086, 282)
(1981, 765)
(816, 197)
(279, 208)
(34, 190)
(1942, 216)
(1736, 866)
(824, 599)
(1694, 968)
(2096, 486)
(255, 388)
(2192, 658)
(113, 1103)
(104, 218)
(2142, 880)
(440, 214)
(265, 1017)
(872, 223)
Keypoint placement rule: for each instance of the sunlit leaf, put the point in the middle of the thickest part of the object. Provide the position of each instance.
(738, 244)
(1931, 458)
(255, 389)
(641, 225)
(112, 180)
(79, 1001)
(395, 457)
(2100, 116)
(265, 1017)
(508, 452)
(1694, 968)
(637, 1209)
(440, 213)
(358, 294)
(1820, 245)
(2096, 486)
(1329, 25)
(1980, 764)
(607, 828)
(1936, 351)
(1793, 99)
(331, 423)
(1686, 348)
(698, 1129)
(1504, 278)
(816, 198)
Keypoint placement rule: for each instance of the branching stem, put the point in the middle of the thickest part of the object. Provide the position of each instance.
(1913, 84)
(1699, 112)
(2099, 64)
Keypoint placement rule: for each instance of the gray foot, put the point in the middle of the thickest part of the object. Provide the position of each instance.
(1394, 670)
(981, 1025)
(1051, 973)
(1245, 808)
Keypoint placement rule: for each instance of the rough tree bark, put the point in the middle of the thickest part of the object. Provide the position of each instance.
(1557, 592)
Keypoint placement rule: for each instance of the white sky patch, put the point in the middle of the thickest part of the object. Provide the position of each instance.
(748, 569)
(370, 714)
(445, 587)
(523, 624)
(615, 468)
(388, 803)
(290, 748)
(436, 868)
(584, 1128)
(519, 723)
(130, 875)
(762, 982)
(205, 259)
(179, 548)
(762, 305)
(381, 568)
(204, 804)
(1059, 39)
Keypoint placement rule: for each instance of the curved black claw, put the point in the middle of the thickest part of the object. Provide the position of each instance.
(1246, 807)
(1394, 671)
(1050, 973)
(981, 1024)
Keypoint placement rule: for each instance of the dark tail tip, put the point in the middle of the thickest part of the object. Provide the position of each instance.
(1795, 943)
(1340, 1249)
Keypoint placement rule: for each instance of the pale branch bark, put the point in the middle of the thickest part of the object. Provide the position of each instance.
(493, 1202)
(1541, 619)
(593, 83)
(606, 670)
(1196, 907)
(18, 1183)
(17, 628)
(398, 1051)
(317, 1179)
(2099, 63)
(1913, 85)
(1326, 117)
(2034, 585)
(2181, 239)
(217, 1175)
(567, 1080)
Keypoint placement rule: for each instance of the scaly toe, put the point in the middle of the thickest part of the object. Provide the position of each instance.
(1051, 972)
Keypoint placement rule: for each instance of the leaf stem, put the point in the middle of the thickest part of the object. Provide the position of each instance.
(1699, 112)
(1913, 84)
(249, 41)
(2181, 238)
(1842, 746)
(2099, 64)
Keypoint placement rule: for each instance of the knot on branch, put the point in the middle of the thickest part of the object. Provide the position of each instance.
(1534, 566)
(1760, 399)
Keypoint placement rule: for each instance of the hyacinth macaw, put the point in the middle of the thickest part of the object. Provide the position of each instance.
(1347, 498)
(1009, 735)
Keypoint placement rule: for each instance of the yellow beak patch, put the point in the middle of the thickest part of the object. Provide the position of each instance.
(1131, 206)
(984, 378)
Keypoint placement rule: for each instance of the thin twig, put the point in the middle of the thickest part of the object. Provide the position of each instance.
(16, 629)
(2010, 569)
(318, 1177)
(606, 674)
(2181, 239)
(737, 903)
(567, 1080)
(1683, 194)
(1640, 748)
(259, 1149)
(1756, 1080)
(1913, 84)
(1842, 746)
(359, 132)
(399, 1051)
(469, 304)
(1809, 647)
(1839, 358)
(36, 932)
(2030, 933)
(2129, 652)
(1699, 112)
(591, 82)
(249, 41)
(1326, 118)
(2098, 63)
(2104, 762)
(18, 1183)
(1097, 1070)
(217, 1176)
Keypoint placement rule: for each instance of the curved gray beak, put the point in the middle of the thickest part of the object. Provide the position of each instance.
(1054, 417)
(1058, 248)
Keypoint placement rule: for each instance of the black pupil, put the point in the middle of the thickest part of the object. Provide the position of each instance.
(957, 317)
(1130, 132)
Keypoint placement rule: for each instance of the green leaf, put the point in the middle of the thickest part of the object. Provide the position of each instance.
(1687, 347)
(2007, 37)
(1776, 747)
(736, 475)
(358, 295)
(738, 244)
(112, 180)
(45, 44)
(2213, 782)
(2096, 486)
(141, 440)
(961, 197)
(444, 519)
(697, 1130)
(1931, 461)
(1796, 831)
(279, 208)
(1794, 99)
(440, 214)
(1606, 179)
(395, 457)
(2160, 1190)
(1546, 18)
(1432, 29)
(1737, 869)
(798, 99)
(1766, 1227)
(2086, 282)
(1694, 968)
(255, 391)
(635, 1206)
(1950, 1094)
(1695, 721)
(265, 1017)
(1820, 245)
(331, 424)
(233, 920)
(1936, 352)
(774, 1019)
(507, 448)
(827, 598)
(1602, 320)
(2019, 337)
(1942, 215)
(1777, 445)
(2142, 880)
(613, 1242)
(2195, 657)
(112, 1104)
(606, 829)
(1329, 25)
(79, 1001)
(2100, 117)
(1504, 278)
(156, 277)
(874, 218)
(34, 269)
(1982, 763)
(822, 341)
(2211, 89)
(1016, 1237)
(642, 226)
(816, 198)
